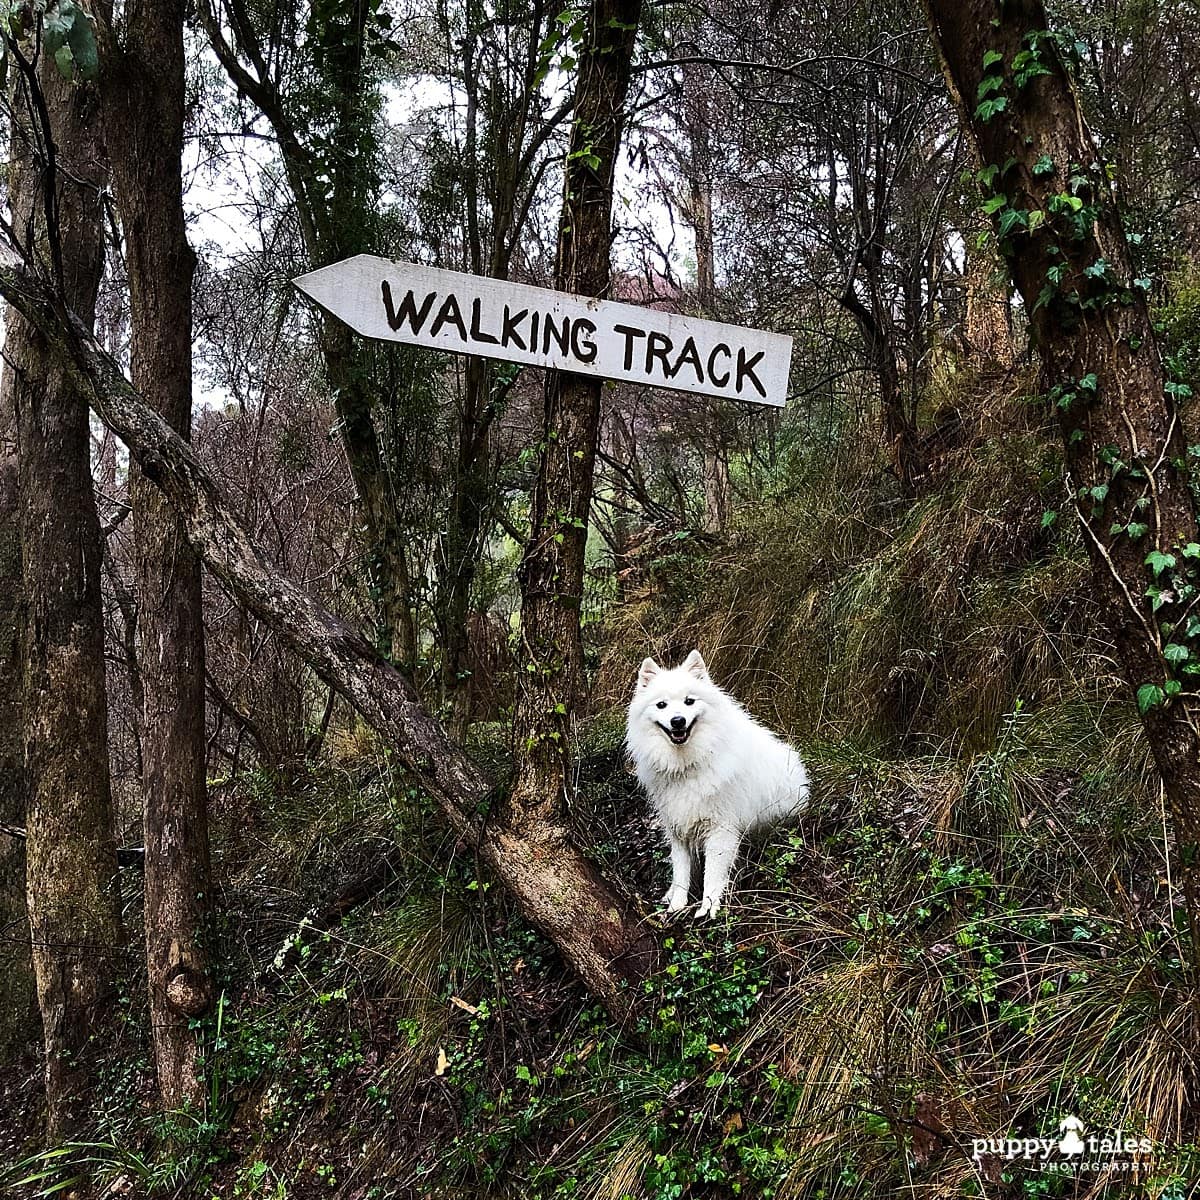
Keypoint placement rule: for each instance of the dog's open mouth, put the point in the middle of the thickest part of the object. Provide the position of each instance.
(678, 736)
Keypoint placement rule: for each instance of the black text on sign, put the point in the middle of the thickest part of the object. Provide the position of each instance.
(467, 314)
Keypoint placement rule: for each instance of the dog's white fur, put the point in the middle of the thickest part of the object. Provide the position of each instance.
(712, 772)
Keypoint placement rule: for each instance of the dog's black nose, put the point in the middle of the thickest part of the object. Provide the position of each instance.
(679, 722)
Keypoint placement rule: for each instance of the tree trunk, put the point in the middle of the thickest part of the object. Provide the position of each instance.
(1060, 232)
(899, 434)
(16, 969)
(718, 500)
(336, 209)
(551, 683)
(71, 853)
(718, 492)
(348, 224)
(143, 92)
(869, 195)
(466, 527)
(621, 452)
(346, 370)
(988, 331)
(554, 884)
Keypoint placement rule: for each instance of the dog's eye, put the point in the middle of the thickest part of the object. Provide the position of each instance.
(690, 700)
(661, 704)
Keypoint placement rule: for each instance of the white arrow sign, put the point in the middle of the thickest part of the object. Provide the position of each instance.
(447, 310)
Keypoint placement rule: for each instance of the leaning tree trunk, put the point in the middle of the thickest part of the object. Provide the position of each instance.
(71, 854)
(143, 91)
(1060, 232)
(551, 683)
(555, 885)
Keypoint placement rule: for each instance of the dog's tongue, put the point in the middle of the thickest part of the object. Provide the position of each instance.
(680, 737)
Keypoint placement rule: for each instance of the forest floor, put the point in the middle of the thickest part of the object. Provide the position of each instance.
(973, 935)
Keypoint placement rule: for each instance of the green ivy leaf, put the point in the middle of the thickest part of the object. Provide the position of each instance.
(1010, 219)
(1174, 653)
(1149, 696)
(1065, 202)
(1158, 562)
(989, 108)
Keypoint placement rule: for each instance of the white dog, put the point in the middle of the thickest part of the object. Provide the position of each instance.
(712, 772)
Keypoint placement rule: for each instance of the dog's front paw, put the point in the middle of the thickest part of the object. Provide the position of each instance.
(675, 898)
(708, 908)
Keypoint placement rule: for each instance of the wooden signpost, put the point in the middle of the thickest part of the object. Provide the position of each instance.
(468, 314)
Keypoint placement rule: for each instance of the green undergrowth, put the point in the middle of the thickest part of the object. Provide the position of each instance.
(954, 945)
(973, 935)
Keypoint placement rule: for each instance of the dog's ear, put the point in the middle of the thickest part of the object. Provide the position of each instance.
(694, 665)
(647, 672)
